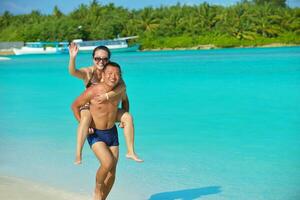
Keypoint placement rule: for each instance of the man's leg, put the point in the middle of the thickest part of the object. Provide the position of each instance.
(127, 123)
(106, 159)
(111, 176)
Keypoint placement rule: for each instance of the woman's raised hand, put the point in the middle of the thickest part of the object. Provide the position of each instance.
(73, 50)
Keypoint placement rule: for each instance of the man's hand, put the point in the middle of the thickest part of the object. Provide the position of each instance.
(121, 125)
(91, 130)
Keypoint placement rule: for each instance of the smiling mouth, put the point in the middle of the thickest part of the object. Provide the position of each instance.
(100, 66)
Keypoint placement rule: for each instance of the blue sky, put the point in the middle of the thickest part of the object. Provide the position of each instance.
(46, 6)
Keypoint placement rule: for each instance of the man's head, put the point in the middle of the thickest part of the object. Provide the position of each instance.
(101, 56)
(111, 74)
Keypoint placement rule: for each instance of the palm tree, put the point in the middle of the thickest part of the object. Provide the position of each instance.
(56, 12)
(238, 22)
(5, 19)
(267, 21)
(147, 21)
(291, 20)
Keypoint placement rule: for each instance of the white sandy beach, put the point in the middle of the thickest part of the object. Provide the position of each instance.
(12, 188)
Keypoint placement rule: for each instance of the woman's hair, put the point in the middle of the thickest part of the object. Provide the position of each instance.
(104, 48)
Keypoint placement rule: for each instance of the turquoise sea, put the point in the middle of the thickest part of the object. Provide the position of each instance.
(211, 124)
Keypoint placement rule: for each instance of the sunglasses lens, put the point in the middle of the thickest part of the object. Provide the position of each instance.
(101, 59)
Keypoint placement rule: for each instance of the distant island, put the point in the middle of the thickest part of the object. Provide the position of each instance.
(204, 26)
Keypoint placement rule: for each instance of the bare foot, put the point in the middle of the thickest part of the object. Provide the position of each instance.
(134, 157)
(78, 160)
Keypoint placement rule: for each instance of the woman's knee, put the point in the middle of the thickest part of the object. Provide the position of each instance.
(127, 118)
(86, 114)
(85, 117)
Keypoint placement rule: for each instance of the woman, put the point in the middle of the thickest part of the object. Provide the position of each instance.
(92, 75)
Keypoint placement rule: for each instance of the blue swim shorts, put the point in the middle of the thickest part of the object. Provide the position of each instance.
(109, 137)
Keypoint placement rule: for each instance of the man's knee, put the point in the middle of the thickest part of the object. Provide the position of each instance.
(108, 165)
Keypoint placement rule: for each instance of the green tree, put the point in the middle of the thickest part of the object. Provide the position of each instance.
(248, 22)
(56, 12)
(5, 19)
(147, 21)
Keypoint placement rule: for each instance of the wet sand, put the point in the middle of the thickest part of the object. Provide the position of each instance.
(19, 189)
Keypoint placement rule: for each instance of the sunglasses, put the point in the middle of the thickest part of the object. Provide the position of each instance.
(98, 59)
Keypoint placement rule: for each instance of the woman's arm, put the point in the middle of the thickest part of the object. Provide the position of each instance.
(73, 51)
(117, 91)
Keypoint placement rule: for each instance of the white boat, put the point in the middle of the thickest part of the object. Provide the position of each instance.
(115, 45)
(42, 48)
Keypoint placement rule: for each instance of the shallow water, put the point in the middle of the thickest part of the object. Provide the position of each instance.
(210, 124)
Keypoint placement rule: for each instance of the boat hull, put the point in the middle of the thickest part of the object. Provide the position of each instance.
(117, 45)
(33, 50)
(89, 49)
(128, 49)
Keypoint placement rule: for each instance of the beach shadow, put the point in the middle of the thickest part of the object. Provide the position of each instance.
(188, 194)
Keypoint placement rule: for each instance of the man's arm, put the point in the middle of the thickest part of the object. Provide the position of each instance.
(125, 102)
(84, 98)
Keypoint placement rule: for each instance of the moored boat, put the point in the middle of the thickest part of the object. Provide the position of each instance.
(42, 48)
(115, 45)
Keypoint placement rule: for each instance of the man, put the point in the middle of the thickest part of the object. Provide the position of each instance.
(92, 75)
(104, 142)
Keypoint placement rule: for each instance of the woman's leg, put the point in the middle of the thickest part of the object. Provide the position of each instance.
(82, 132)
(127, 123)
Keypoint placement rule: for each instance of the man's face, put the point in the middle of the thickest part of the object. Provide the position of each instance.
(111, 76)
(100, 59)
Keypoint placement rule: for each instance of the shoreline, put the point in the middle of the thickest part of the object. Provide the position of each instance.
(212, 46)
(198, 47)
(14, 188)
